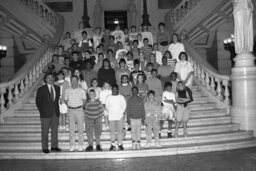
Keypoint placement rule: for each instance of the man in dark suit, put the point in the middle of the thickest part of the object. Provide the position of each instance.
(47, 102)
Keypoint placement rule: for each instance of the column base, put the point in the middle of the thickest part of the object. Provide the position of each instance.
(245, 116)
(243, 80)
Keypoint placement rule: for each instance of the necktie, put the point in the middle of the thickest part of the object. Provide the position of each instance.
(52, 93)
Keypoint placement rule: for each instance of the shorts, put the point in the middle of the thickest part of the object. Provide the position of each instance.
(182, 113)
(168, 113)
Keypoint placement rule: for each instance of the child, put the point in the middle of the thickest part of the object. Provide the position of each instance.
(140, 41)
(148, 70)
(183, 96)
(134, 74)
(170, 61)
(116, 106)
(153, 111)
(135, 117)
(94, 86)
(63, 84)
(129, 61)
(93, 120)
(155, 84)
(157, 53)
(85, 43)
(125, 87)
(122, 70)
(105, 92)
(174, 81)
(142, 86)
(168, 101)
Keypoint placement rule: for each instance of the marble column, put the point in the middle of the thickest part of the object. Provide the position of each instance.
(132, 13)
(243, 74)
(98, 14)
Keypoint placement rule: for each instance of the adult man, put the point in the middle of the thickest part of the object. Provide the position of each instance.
(75, 99)
(47, 102)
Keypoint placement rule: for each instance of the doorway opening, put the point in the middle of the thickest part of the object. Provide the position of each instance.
(114, 18)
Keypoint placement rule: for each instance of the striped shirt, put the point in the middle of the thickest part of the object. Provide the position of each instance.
(171, 62)
(75, 97)
(93, 109)
(147, 50)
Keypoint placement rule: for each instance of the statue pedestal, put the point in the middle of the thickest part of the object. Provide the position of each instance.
(243, 78)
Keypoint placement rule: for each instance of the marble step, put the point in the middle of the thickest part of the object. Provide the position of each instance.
(105, 134)
(194, 106)
(204, 138)
(36, 120)
(20, 124)
(197, 113)
(217, 128)
(128, 153)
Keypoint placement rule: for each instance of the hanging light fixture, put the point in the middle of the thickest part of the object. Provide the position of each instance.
(3, 52)
(116, 21)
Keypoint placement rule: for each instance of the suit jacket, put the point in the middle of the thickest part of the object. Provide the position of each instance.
(44, 102)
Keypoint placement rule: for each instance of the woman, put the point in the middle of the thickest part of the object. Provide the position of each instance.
(81, 80)
(106, 74)
(162, 38)
(184, 69)
(176, 47)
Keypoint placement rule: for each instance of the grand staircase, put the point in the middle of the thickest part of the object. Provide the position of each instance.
(210, 127)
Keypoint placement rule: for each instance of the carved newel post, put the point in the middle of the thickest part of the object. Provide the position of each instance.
(85, 17)
(145, 16)
(243, 75)
(132, 13)
(98, 14)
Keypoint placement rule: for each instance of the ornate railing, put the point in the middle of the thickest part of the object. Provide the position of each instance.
(12, 91)
(182, 9)
(216, 85)
(42, 10)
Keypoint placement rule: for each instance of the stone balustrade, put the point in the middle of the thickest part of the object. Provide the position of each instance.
(12, 91)
(182, 9)
(42, 10)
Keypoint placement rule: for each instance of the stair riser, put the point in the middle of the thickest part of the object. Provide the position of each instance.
(192, 122)
(127, 144)
(106, 136)
(128, 154)
(191, 130)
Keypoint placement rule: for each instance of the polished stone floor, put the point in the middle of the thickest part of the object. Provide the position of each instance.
(235, 160)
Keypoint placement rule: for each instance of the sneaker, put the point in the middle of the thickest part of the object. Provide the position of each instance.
(112, 148)
(72, 148)
(129, 129)
(134, 146)
(89, 148)
(158, 145)
(120, 147)
(80, 148)
(98, 148)
(138, 146)
(169, 135)
(148, 145)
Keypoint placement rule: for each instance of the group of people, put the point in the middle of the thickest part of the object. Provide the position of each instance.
(120, 80)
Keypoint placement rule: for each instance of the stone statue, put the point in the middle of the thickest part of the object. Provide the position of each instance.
(243, 20)
(98, 14)
(132, 13)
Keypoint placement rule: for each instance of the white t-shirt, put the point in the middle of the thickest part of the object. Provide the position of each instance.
(168, 96)
(116, 106)
(158, 57)
(104, 94)
(175, 50)
(183, 69)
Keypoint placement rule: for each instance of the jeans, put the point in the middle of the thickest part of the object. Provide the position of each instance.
(152, 123)
(136, 129)
(116, 131)
(93, 126)
(76, 116)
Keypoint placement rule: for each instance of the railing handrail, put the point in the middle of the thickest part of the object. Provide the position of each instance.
(204, 64)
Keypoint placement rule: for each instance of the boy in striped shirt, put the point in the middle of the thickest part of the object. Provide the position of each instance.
(93, 120)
